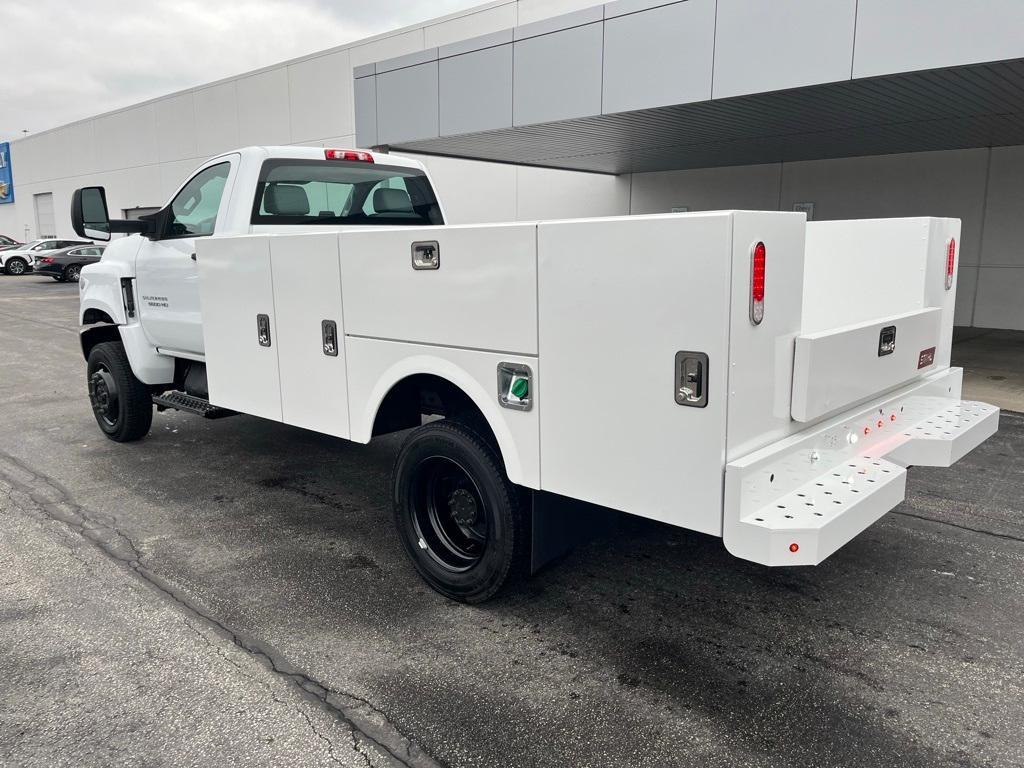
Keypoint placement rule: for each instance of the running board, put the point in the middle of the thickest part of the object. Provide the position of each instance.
(179, 401)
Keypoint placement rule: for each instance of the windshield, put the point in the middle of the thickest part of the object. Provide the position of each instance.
(338, 192)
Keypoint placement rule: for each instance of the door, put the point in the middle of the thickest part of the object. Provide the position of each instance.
(168, 279)
(310, 332)
(45, 226)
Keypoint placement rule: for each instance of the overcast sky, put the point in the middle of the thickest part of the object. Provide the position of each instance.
(61, 60)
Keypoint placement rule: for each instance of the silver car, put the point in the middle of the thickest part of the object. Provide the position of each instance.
(18, 261)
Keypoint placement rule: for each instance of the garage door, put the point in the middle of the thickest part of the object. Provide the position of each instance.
(45, 226)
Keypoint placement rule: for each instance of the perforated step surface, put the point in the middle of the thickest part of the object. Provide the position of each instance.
(814, 505)
(939, 438)
(179, 401)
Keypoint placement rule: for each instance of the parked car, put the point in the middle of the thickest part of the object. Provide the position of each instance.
(66, 265)
(8, 243)
(18, 261)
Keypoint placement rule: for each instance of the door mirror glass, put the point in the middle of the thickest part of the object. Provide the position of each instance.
(89, 213)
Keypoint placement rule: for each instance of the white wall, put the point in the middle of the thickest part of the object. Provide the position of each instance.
(982, 187)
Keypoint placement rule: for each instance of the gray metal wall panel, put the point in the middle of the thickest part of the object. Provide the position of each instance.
(475, 44)
(408, 60)
(558, 76)
(660, 56)
(907, 35)
(407, 104)
(476, 91)
(765, 46)
(622, 7)
(557, 23)
(365, 92)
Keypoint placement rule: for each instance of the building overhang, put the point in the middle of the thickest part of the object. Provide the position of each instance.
(639, 86)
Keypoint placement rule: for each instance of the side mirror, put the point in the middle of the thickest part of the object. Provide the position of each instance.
(90, 219)
(89, 216)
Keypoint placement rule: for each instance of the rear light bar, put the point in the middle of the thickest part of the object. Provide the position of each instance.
(348, 154)
(758, 262)
(950, 262)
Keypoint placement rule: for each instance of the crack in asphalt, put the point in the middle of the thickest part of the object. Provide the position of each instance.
(369, 726)
(982, 531)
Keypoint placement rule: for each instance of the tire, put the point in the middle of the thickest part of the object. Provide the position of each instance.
(457, 513)
(16, 266)
(71, 273)
(121, 403)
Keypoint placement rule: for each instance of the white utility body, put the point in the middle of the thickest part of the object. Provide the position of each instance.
(748, 375)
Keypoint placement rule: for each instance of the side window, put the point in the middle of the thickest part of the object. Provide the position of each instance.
(194, 210)
(47, 245)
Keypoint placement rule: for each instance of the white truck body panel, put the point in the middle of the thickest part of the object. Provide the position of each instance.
(376, 365)
(236, 286)
(618, 299)
(483, 296)
(314, 385)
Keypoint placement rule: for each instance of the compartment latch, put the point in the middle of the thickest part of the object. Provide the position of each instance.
(691, 379)
(426, 254)
(329, 336)
(263, 330)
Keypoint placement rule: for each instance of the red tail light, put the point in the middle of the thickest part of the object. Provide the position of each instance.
(348, 154)
(950, 262)
(46, 260)
(758, 262)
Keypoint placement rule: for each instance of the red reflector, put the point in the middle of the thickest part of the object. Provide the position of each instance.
(794, 547)
(892, 417)
(881, 423)
(950, 262)
(867, 430)
(758, 265)
(348, 154)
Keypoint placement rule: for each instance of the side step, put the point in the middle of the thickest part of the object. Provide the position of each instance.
(179, 401)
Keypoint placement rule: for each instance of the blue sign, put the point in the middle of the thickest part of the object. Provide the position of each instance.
(6, 179)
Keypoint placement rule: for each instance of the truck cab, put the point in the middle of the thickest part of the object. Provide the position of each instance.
(256, 190)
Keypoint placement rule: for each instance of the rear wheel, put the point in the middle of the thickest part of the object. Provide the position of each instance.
(121, 403)
(457, 513)
(16, 266)
(72, 272)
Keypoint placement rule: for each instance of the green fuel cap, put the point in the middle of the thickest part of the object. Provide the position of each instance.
(520, 388)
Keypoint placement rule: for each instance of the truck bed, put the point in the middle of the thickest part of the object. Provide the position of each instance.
(600, 312)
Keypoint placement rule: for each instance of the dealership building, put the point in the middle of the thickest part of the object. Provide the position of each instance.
(540, 109)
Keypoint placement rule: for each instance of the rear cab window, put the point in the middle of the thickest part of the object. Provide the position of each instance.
(333, 192)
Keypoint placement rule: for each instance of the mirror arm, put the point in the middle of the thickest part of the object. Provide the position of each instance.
(128, 227)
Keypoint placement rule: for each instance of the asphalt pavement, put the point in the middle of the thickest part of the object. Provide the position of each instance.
(232, 593)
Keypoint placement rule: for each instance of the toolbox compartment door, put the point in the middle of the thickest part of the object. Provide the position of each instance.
(310, 332)
(480, 293)
(237, 298)
(837, 368)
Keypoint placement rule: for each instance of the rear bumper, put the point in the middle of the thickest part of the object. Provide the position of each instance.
(799, 500)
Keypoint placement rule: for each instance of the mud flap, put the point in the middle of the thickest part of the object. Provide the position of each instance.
(558, 524)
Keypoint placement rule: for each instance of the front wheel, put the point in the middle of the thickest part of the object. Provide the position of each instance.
(16, 266)
(121, 403)
(457, 513)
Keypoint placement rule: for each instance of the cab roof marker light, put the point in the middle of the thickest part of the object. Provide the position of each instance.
(950, 262)
(758, 263)
(351, 155)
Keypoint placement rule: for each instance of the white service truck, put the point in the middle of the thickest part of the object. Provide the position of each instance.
(748, 375)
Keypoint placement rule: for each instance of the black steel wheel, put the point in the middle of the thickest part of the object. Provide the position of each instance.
(72, 272)
(16, 266)
(457, 513)
(122, 404)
